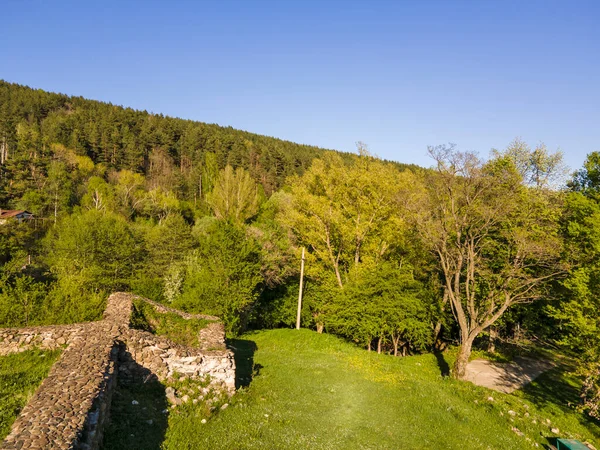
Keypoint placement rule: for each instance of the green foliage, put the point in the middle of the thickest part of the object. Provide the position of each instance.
(89, 255)
(538, 168)
(129, 191)
(59, 189)
(222, 276)
(98, 249)
(22, 294)
(174, 154)
(235, 196)
(116, 190)
(277, 307)
(587, 179)
(353, 218)
(497, 242)
(319, 296)
(17, 239)
(21, 300)
(280, 260)
(385, 303)
(168, 243)
(578, 314)
(160, 203)
(179, 330)
(146, 286)
(100, 195)
(347, 214)
(71, 300)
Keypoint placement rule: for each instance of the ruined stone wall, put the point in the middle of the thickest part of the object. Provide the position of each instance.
(72, 405)
(166, 359)
(166, 309)
(69, 408)
(13, 340)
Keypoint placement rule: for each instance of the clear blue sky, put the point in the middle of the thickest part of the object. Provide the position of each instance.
(398, 75)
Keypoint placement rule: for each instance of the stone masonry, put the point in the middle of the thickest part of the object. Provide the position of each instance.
(71, 406)
(14, 340)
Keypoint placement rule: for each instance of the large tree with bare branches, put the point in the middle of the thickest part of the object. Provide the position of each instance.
(496, 239)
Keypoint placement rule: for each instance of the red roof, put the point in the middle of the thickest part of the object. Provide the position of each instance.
(6, 213)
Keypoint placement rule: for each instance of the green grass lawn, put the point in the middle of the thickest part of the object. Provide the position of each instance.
(20, 376)
(316, 391)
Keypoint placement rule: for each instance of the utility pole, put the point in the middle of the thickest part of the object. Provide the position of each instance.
(300, 294)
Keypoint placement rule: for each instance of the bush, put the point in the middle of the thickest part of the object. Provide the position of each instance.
(223, 276)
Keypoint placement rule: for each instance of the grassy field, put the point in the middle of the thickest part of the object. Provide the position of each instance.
(316, 391)
(20, 375)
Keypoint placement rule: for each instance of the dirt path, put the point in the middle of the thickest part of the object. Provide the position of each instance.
(506, 377)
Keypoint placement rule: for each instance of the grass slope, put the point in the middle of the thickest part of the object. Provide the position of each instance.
(315, 391)
(20, 376)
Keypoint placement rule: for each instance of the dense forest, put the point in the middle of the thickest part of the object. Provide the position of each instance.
(400, 259)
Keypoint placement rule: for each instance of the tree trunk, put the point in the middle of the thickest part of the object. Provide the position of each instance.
(335, 261)
(320, 327)
(357, 253)
(200, 187)
(462, 359)
(379, 345)
(438, 345)
(55, 206)
(492, 340)
(517, 332)
(338, 275)
(395, 340)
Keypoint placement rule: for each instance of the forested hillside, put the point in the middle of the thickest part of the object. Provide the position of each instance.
(115, 193)
(474, 252)
(173, 152)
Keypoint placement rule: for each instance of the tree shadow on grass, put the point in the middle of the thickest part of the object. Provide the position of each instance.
(442, 364)
(559, 387)
(552, 386)
(245, 369)
(137, 418)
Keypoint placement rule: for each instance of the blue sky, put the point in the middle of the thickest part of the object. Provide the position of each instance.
(398, 75)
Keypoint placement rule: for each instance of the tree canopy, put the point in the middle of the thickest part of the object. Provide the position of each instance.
(213, 220)
(497, 241)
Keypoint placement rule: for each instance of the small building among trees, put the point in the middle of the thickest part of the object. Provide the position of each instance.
(14, 214)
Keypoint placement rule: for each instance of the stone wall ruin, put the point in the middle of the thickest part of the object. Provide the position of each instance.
(71, 406)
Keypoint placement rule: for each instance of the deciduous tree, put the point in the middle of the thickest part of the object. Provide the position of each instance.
(348, 214)
(539, 168)
(235, 195)
(578, 315)
(496, 240)
(223, 275)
